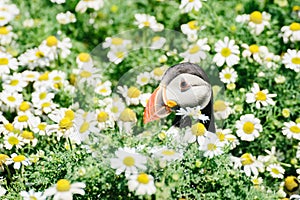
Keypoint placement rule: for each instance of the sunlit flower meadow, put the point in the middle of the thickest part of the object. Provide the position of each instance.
(76, 76)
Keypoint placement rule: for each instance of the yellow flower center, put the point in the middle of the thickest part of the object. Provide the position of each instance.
(194, 49)
(133, 92)
(168, 152)
(3, 158)
(14, 82)
(4, 30)
(275, 171)
(227, 76)
(65, 123)
(256, 181)
(23, 118)
(9, 127)
(57, 78)
(102, 116)
(103, 90)
(3, 61)
(27, 135)
(295, 129)
(155, 39)
(39, 54)
(44, 77)
(248, 127)
(211, 147)
(225, 52)
(128, 115)
(46, 104)
(256, 17)
(42, 126)
(285, 112)
(84, 127)
(85, 74)
(296, 8)
(63, 185)
(117, 41)
(158, 71)
(114, 8)
(191, 1)
(254, 48)
(11, 98)
(114, 109)
(221, 136)
(291, 183)
(295, 26)
(247, 159)
(120, 54)
(143, 178)
(128, 161)
(33, 198)
(42, 95)
(219, 106)
(84, 57)
(146, 23)
(51, 41)
(296, 60)
(260, 96)
(198, 129)
(144, 79)
(13, 140)
(24, 106)
(19, 158)
(70, 114)
(193, 25)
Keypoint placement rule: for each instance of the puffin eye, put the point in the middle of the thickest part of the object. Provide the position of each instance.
(184, 86)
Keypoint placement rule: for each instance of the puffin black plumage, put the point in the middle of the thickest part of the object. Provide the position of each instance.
(182, 85)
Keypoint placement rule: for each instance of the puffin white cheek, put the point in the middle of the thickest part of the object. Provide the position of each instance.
(202, 94)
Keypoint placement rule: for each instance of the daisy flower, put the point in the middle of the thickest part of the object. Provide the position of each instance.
(84, 59)
(190, 29)
(147, 21)
(3, 158)
(33, 58)
(104, 89)
(30, 76)
(228, 75)
(88, 74)
(7, 63)
(8, 12)
(104, 118)
(257, 21)
(128, 161)
(157, 42)
(14, 82)
(189, 5)
(66, 18)
(13, 140)
(291, 130)
(270, 60)
(63, 189)
(116, 43)
(194, 133)
(116, 107)
(143, 78)
(11, 100)
(142, 184)
(6, 35)
(157, 73)
(291, 32)
(131, 94)
(196, 52)
(248, 127)
(211, 145)
(225, 136)
(260, 97)
(194, 112)
(227, 52)
(39, 127)
(254, 51)
(83, 5)
(42, 95)
(167, 154)
(52, 47)
(249, 163)
(276, 171)
(17, 160)
(117, 55)
(222, 109)
(31, 194)
(291, 60)
(127, 120)
(28, 138)
(45, 107)
(24, 120)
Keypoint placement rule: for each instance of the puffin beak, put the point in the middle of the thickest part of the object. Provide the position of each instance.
(156, 107)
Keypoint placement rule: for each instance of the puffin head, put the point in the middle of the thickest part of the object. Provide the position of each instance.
(183, 85)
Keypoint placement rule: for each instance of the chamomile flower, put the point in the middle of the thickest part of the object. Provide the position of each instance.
(127, 120)
(3, 158)
(64, 189)
(7, 63)
(189, 5)
(17, 161)
(291, 60)
(260, 97)
(128, 161)
(190, 29)
(33, 58)
(276, 171)
(227, 52)
(84, 59)
(39, 127)
(194, 112)
(10, 100)
(143, 78)
(14, 82)
(116, 43)
(167, 154)
(30, 76)
(222, 109)
(291, 130)
(248, 127)
(83, 5)
(28, 138)
(147, 21)
(131, 94)
(291, 32)
(211, 145)
(196, 132)
(157, 42)
(6, 35)
(13, 140)
(66, 18)
(104, 89)
(6, 127)
(249, 163)
(116, 107)
(157, 73)
(54, 47)
(24, 120)
(117, 55)
(224, 135)
(257, 21)
(44, 107)
(255, 52)
(89, 75)
(270, 60)
(104, 118)
(142, 184)
(8, 12)
(31, 194)
(228, 75)
(196, 52)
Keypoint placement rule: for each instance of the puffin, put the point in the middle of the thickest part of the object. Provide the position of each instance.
(182, 85)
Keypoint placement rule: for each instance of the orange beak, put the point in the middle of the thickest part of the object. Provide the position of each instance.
(156, 108)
